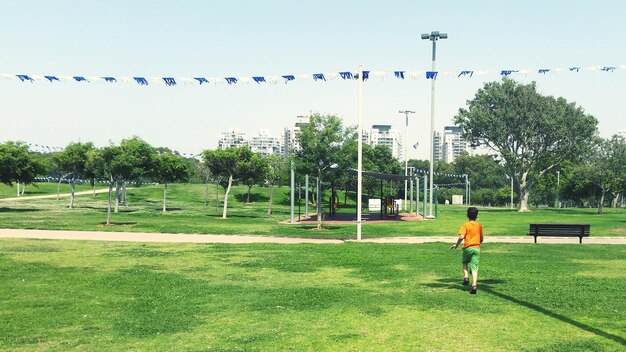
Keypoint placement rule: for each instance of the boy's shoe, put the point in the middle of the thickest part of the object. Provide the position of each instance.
(465, 281)
(473, 290)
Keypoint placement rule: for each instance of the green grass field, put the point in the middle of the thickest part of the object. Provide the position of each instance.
(188, 214)
(99, 296)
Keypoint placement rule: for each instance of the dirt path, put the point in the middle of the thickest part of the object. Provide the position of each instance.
(191, 238)
(64, 195)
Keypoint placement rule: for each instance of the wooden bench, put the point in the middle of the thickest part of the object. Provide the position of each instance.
(560, 230)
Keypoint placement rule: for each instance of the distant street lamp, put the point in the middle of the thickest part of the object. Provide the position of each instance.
(406, 142)
(433, 37)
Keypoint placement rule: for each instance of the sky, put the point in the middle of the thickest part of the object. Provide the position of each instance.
(238, 38)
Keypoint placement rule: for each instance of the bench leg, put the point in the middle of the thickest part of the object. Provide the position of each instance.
(581, 240)
(535, 239)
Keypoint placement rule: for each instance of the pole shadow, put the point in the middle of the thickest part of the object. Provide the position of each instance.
(488, 287)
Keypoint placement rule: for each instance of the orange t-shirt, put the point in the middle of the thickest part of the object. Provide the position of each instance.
(473, 233)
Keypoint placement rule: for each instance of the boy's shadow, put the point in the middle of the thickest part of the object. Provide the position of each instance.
(489, 286)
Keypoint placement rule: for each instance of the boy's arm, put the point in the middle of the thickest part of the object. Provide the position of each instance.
(458, 242)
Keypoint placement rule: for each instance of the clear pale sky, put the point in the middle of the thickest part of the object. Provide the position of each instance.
(275, 37)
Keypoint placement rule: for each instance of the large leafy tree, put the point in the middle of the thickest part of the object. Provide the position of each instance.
(73, 161)
(227, 165)
(533, 133)
(18, 165)
(170, 168)
(320, 148)
(253, 172)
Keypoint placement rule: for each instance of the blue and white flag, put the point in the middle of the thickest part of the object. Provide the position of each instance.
(170, 81)
(110, 79)
(507, 72)
(288, 78)
(543, 71)
(431, 74)
(346, 75)
(52, 78)
(25, 78)
(466, 73)
(80, 79)
(141, 81)
(259, 79)
(230, 80)
(201, 80)
(399, 74)
(317, 76)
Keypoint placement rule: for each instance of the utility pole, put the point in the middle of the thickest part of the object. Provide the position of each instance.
(406, 157)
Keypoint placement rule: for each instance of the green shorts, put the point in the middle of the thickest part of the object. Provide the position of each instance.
(471, 256)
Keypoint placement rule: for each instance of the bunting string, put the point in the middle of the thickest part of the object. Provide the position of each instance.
(317, 77)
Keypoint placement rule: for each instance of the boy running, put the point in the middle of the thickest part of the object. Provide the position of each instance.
(472, 233)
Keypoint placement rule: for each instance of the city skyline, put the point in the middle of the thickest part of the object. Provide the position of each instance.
(246, 39)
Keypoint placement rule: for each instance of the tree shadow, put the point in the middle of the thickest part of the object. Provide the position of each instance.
(254, 197)
(118, 223)
(489, 286)
(18, 210)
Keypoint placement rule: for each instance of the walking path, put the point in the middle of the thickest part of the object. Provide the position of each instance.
(191, 238)
(61, 195)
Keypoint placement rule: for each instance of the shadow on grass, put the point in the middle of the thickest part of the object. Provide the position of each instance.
(121, 223)
(488, 286)
(254, 197)
(18, 210)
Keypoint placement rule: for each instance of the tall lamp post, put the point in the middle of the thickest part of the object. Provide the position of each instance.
(406, 142)
(433, 37)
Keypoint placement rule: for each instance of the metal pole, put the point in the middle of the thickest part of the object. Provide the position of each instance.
(359, 182)
(293, 177)
(425, 193)
(432, 129)
(417, 195)
(306, 195)
(411, 209)
(466, 191)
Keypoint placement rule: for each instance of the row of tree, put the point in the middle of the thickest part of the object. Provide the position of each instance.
(533, 136)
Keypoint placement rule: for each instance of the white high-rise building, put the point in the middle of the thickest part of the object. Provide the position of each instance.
(384, 135)
(265, 144)
(232, 138)
(448, 146)
(290, 136)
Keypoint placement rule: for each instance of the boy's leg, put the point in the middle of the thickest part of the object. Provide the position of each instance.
(473, 264)
(465, 274)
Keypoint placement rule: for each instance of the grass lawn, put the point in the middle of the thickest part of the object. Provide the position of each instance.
(188, 214)
(99, 296)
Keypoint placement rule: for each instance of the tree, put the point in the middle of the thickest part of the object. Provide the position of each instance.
(227, 165)
(533, 133)
(72, 161)
(253, 172)
(169, 168)
(18, 165)
(605, 167)
(320, 148)
(276, 171)
(132, 159)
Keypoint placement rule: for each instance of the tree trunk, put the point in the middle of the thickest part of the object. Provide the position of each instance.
(109, 207)
(117, 197)
(72, 186)
(124, 194)
(165, 198)
(230, 183)
(18, 189)
(23, 190)
(59, 188)
(601, 203)
(524, 192)
(93, 186)
(269, 209)
(249, 189)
